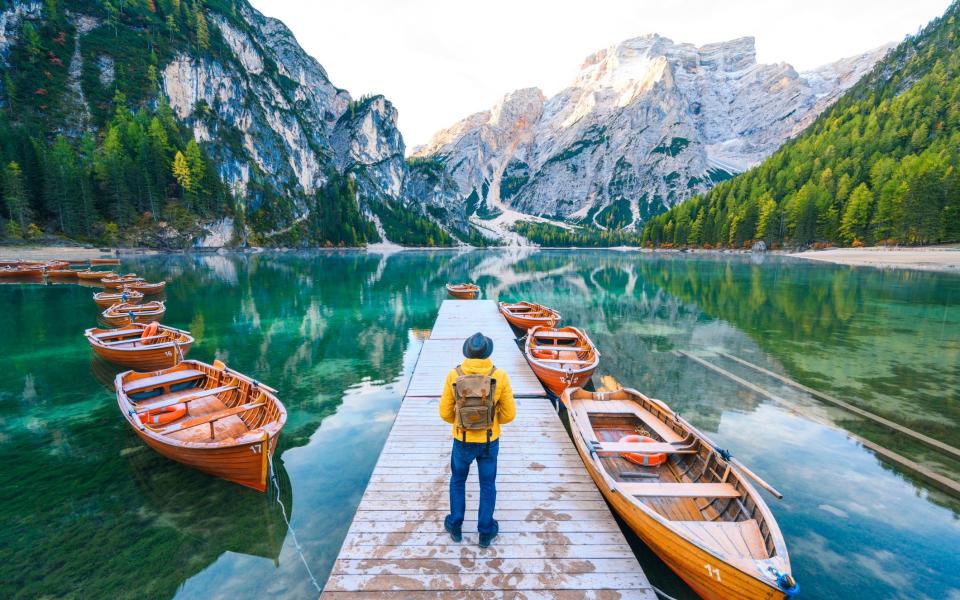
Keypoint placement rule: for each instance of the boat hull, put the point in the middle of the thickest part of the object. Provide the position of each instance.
(557, 381)
(239, 452)
(148, 289)
(558, 376)
(22, 272)
(118, 284)
(245, 464)
(122, 315)
(463, 293)
(147, 359)
(110, 301)
(720, 582)
(524, 322)
(94, 275)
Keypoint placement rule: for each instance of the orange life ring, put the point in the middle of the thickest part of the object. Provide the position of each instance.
(162, 416)
(150, 330)
(644, 460)
(544, 353)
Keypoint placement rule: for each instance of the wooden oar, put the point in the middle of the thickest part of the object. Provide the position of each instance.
(733, 461)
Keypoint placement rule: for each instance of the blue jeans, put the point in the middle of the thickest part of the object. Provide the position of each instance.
(461, 456)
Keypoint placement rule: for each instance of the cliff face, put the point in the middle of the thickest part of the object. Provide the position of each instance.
(292, 123)
(645, 124)
(266, 113)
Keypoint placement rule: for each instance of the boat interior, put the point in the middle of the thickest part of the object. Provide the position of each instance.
(220, 408)
(700, 494)
(530, 310)
(132, 338)
(561, 348)
(137, 309)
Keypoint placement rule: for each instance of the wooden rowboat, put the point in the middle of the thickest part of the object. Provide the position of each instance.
(463, 291)
(92, 275)
(129, 346)
(22, 271)
(225, 424)
(688, 501)
(527, 315)
(108, 299)
(147, 289)
(121, 315)
(561, 358)
(61, 273)
(115, 283)
(104, 261)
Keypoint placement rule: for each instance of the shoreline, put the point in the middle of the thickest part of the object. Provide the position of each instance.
(934, 258)
(944, 259)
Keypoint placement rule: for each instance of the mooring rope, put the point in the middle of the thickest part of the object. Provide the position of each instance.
(662, 594)
(293, 534)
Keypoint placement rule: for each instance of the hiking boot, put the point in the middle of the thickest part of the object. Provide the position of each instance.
(487, 538)
(455, 533)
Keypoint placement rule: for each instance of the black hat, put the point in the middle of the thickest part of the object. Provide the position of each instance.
(478, 346)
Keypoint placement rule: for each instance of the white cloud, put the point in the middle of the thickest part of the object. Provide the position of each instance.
(439, 61)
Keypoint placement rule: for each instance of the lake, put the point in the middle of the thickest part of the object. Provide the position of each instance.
(88, 511)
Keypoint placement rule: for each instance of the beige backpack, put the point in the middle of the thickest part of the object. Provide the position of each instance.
(475, 405)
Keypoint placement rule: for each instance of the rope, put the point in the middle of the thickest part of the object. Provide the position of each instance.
(293, 534)
(662, 594)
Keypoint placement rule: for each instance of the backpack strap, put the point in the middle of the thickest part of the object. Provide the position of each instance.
(492, 371)
(459, 371)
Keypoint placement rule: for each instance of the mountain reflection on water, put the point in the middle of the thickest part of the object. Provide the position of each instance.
(86, 506)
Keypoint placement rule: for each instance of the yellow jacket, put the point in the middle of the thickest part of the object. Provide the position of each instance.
(506, 406)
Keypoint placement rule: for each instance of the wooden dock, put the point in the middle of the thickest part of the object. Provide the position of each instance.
(558, 538)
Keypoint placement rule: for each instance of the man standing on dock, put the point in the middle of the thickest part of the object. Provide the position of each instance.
(477, 399)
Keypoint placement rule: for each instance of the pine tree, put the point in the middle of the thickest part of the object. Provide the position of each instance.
(61, 186)
(856, 216)
(203, 35)
(15, 196)
(181, 172)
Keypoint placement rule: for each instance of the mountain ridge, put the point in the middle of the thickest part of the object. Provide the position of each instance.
(299, 161)
(880, 166)
(640, 128)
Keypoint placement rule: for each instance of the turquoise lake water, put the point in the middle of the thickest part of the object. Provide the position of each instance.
(87, 511)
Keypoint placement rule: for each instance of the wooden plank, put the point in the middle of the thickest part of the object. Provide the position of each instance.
(487, 581)
(436, 513)
(643, 448)
(557, 537)
(511, 594)
(436, 526)
(465, 552)
(679, 490)
(483, 565)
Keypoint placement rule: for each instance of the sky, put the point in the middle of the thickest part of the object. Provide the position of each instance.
(439, 61)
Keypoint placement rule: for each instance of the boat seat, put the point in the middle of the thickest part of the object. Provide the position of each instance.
(161, 380)
(642, 448)
(678, 490)
(625, 406)
(185, 396)
(561, 361)
(116, 333)
(559, 347)
(728, 538)
(209, 418)
(557, 335)
(134, 340)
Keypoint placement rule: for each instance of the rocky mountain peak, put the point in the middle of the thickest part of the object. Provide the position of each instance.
(645, 124)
